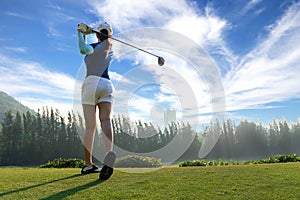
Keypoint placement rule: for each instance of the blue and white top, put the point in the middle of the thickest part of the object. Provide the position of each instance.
(98, 57)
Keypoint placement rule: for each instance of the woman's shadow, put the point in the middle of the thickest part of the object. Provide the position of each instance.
(72, 191)
(61, 194)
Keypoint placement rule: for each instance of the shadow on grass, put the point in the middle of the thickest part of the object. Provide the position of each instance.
(60, 194)
(72, 191)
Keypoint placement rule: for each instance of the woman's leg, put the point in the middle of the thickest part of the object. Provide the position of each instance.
(105, 109)
(89, 112)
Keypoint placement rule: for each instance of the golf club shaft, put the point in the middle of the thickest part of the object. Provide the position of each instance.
(128, 44)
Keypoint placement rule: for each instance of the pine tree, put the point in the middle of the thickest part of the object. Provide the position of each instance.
(17, 138)
(7, 143)
(285, 139)
(273, 138)
(295, 130)
(28, 138)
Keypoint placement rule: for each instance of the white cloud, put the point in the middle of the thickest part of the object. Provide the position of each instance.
(53, 30)
(16, 49)
(131, 14)
(177, 15)
(19, 15)
(269, 73)
(34, 85)
(251, 4)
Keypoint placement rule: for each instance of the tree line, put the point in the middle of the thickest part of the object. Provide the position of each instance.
(33, 139)
(249, 140)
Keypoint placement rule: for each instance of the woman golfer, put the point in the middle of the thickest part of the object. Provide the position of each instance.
(97, 92)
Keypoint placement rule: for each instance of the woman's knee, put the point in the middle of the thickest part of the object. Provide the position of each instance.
(104, 118)
(90, 126)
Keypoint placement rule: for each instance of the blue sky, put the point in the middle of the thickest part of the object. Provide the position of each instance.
(254, 45)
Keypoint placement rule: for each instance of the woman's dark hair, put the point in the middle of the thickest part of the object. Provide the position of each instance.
(103, 34)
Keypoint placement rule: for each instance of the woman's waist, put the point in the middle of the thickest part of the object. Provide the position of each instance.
(94, 78)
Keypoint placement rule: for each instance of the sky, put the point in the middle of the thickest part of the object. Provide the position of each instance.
(240, 58)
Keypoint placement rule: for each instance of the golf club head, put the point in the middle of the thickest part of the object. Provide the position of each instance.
(161, 61)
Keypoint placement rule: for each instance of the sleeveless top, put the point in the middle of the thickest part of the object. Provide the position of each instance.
(98, 62)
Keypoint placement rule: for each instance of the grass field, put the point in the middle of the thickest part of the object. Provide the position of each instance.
(268, 181)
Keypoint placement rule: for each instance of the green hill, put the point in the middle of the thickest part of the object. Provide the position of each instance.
(9, 103)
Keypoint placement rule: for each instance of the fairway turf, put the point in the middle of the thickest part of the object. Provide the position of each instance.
(268, 181)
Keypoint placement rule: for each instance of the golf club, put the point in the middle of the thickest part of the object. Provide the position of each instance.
(161, 60)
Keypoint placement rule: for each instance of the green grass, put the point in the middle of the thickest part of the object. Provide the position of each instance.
(266, 181)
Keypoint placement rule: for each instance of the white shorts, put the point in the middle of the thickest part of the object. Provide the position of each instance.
(96, 89)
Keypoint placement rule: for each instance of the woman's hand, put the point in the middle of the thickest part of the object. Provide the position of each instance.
(85, 29)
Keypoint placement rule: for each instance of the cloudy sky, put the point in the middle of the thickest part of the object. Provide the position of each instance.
(241, 57)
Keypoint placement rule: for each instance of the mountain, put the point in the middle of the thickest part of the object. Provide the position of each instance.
(9, 103)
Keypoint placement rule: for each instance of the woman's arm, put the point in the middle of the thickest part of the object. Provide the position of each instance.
(83, 47)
